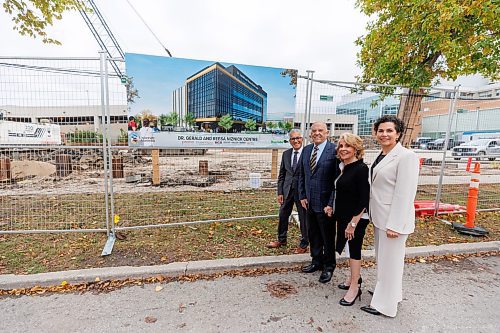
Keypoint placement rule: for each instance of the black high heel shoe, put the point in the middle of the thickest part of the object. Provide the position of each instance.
(343, 302)
(344, 287)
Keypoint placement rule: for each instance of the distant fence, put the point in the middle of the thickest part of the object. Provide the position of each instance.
(93, 182)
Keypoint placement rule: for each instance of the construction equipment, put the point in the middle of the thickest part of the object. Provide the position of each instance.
(103, 35)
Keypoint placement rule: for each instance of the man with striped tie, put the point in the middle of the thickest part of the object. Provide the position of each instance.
(320, 168)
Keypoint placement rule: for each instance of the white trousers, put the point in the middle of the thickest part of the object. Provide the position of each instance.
(390, 256)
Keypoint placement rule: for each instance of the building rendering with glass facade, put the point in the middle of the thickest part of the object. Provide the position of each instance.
(368, 107)
(217, 90)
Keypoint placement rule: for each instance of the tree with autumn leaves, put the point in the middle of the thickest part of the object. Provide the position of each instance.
(413, 43)
(31, 17)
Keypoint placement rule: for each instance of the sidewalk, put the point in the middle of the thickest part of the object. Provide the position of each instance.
(11, 281)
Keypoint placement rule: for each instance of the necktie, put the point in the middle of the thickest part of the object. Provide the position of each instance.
(294, 162)
(312, 163)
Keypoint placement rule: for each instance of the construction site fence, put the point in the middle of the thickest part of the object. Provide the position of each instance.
(91, 181)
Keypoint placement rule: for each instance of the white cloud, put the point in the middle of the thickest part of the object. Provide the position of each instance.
(317, 35)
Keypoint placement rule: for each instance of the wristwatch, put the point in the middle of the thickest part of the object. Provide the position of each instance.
(353, 224)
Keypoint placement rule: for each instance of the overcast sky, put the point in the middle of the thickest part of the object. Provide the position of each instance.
(317, 35)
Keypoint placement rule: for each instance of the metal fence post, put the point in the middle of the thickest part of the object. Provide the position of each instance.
(451, 110)
(108, 247)
(310, 101)
(304, 127)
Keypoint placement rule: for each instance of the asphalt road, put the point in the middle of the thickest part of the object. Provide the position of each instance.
(445, 296)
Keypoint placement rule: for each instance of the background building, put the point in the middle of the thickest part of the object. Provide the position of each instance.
(367, 107)
(70, 118)
(477, 108)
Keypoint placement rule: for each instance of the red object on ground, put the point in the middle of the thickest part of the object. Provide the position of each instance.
(427, 208)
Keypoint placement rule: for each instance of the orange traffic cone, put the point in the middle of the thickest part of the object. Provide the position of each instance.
(469, 228)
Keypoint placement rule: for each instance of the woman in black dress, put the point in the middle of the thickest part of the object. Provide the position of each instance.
(351, 210)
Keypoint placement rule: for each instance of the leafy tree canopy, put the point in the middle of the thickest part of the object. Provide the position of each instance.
(413, 42)
(31, 17)
(250, 125)
(190, 119)
(226, 122)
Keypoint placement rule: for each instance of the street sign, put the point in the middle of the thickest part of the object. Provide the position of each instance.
(325, 98)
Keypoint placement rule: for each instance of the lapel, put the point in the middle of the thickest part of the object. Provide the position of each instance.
(287, 155)
(326, 152)
(306, 154)
(386, 160)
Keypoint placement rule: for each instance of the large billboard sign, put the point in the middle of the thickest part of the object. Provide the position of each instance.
(227, 105)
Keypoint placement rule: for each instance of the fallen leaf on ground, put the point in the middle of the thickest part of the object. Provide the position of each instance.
(150, 319)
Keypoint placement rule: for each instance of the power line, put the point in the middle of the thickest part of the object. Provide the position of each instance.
(147, 26)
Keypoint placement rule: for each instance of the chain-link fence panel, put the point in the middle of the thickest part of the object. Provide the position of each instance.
(52, 162)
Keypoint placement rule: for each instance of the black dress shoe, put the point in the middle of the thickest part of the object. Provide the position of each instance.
(344, 287)
(370, 310)
(325, 276)
(311, 268)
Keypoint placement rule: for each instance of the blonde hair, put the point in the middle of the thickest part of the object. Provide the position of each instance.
(354, 141)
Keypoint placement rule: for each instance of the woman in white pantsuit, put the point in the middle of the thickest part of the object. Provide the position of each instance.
(393, 178)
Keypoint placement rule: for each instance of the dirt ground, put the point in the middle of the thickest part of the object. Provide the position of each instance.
(228, 170)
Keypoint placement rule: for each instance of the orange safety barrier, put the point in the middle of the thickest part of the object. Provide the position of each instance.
(472, 197)
(427, 208)
(469, 228)
(469, 161)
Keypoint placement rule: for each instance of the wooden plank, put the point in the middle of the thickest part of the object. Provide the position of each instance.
(274, 164)
(155, 154)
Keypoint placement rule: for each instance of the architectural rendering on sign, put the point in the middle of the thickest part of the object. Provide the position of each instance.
(216, 91)
(196, 95)
(210, 97)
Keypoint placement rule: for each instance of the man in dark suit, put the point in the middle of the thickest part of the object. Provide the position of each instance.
(288, 193)
(320, 168)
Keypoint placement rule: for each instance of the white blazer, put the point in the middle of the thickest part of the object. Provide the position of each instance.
(393, 189)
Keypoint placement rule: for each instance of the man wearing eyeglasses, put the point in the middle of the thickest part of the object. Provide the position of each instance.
(288, 193)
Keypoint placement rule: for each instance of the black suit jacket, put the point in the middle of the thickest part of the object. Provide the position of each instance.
(288, 178)
(318, 187)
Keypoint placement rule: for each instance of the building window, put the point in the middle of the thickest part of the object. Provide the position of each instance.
(432, 96)
(343, 127)
(485, 94)
(467, 94)
(18, 119)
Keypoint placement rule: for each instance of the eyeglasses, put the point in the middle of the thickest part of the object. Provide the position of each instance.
(296, 138)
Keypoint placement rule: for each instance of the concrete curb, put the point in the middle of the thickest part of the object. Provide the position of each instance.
(11, 281)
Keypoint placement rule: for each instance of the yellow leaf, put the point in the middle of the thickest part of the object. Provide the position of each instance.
(117, 218)
(422, 260)
(64, 283)
(158, 288)
(97, 279)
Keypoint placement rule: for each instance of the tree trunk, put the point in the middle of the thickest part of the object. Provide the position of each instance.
(409, 108)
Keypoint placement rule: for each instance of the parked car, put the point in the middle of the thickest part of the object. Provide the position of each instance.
(438, 144)
(420, 142)
(479, 148)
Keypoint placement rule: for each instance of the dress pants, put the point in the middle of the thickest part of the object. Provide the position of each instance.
(284, 215)
(390, 256)
(322, 239)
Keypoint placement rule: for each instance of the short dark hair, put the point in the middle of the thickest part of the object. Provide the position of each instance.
(399, 125)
